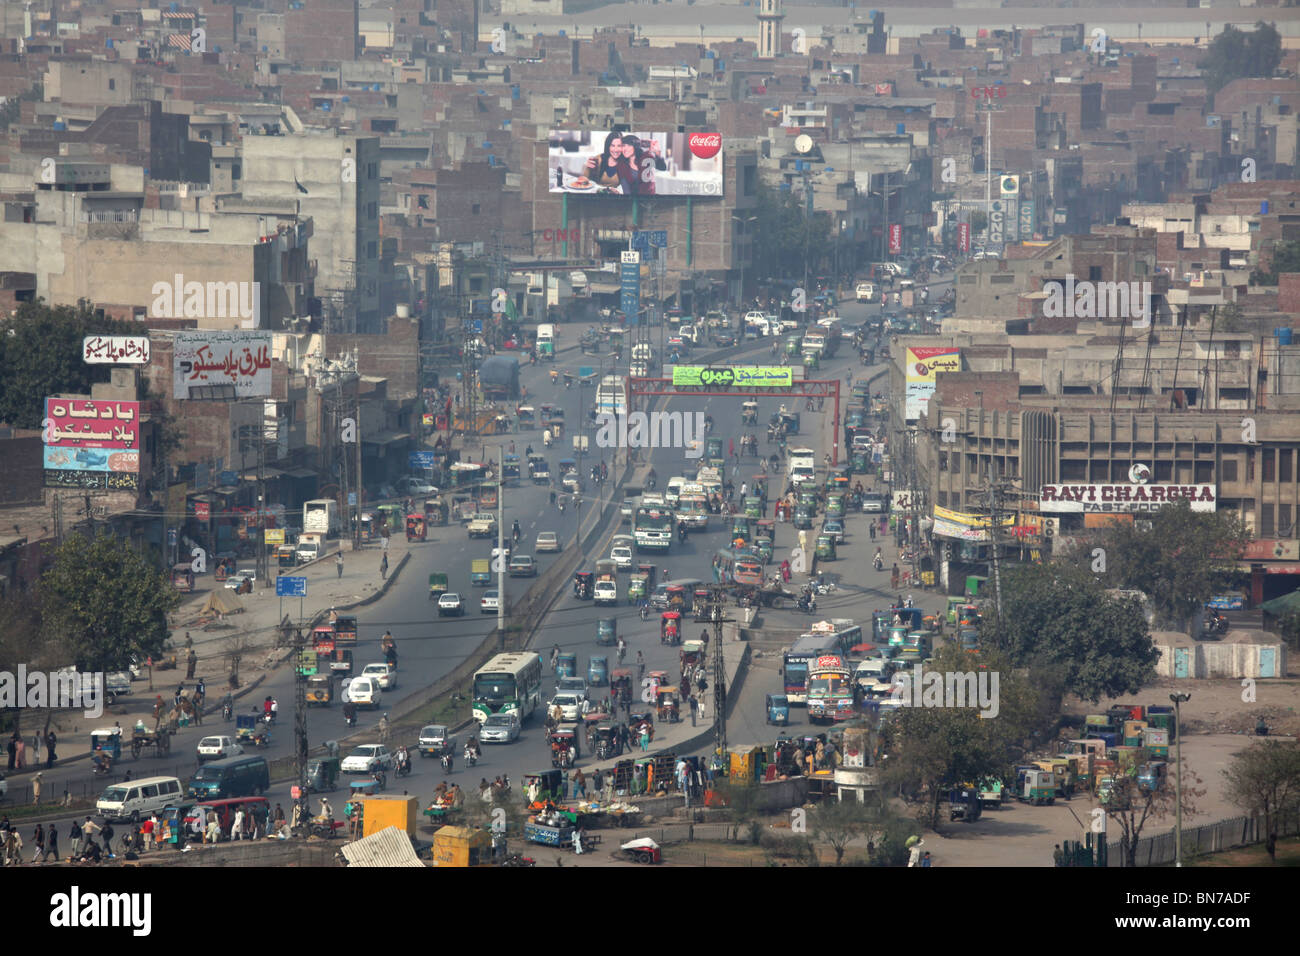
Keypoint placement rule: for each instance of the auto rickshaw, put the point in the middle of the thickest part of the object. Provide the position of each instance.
(700, 600)
(713, 448)
(749, 413)
(510, 470)
(437, 586)
(607, 631)
(675, 595)
(860, 462)
(636, 587)
(638, 720)
(183, 577)
(777, 708)
(753, 506)
(793, 343)
(320, 689)
(807, 499)
(565, 746)
(606, 741)
(323, 774)
(106, 743)
(826, 550)
(584, 584)
(742, 529)
(415, 527)
(811, 360)
(597, 671)
(390, 516)
(286, 557)
(526, 415)
(835, 507)
(692, 655)
(566, 665)
(548, 783)
(435, 511)
(651, 572)
(668, 706)
(249, 728)
(670, 627)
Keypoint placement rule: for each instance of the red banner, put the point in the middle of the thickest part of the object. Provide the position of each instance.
(963, 237)
(90, 423)
(895, 238)
(202, 510)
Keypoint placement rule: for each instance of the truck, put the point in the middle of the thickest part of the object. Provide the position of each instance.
(652, 528)
(498, 376)
(483, 525)
(830, 690)
(644, 352)
(309, 548)
(320, 516)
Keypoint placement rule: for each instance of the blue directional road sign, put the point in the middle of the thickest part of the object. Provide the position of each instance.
(290, 587)
(422, 459)
(630, 286)
(645, 240)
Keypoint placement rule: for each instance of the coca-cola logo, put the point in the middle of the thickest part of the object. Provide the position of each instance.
(705, 145)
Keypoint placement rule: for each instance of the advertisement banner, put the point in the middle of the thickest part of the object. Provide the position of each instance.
(587, 162)
(952, 529)
(996, 214)
(895, 238)
(1123, 499)
(91, 423)
(274, 535)
(1028, 221)
(1010, 186)
(202, 510)
(736, 376)
(115, 350)
(630, 286)
(238, 358)
(923, 365)
(963, 237)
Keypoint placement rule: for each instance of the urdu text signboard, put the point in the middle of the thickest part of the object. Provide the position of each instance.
(923, 365)
(238, 358)
(1124, 499)
(733, 376)
(91, 444)
(115, 350)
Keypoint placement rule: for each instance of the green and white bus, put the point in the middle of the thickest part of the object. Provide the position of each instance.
(508, 684)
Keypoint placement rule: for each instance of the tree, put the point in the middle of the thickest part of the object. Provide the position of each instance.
(1132, 806)
(932, 749)
(106, 600)
(41, 355)
(786, 239)
(20, 643)
(1285, 258)
(838, 823)
(1235, 54)
(1183, 559)
(1264, 780)
(1058, 620)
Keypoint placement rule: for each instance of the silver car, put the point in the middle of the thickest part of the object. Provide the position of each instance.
(500, 729)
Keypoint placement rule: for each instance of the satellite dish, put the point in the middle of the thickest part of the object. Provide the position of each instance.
(803, 143)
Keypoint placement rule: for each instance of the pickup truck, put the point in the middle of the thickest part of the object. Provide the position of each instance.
(483, 525)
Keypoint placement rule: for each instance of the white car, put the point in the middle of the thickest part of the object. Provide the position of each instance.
(362, 691)
(383, 675)
(621, 555)
(237, 579)
(866, 292)
(367, 759)
(490, 602)
(499, 729)
(570, 706)
(572, 685)
(606, 592)
(547, 541)
(451, 604)
(218, 748)
(416, 486)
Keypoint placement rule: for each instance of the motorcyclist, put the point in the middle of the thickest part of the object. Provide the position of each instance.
(622, 649)
(681, 530)
(650, 479)
(515, 533)
(350, 713)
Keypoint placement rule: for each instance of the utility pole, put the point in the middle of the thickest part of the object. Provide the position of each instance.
(995, 492)
(300, 725)
(913, 506)
(356, 515)
(501, 546)
(719, 680)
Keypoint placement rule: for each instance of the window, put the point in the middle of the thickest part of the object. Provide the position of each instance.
(1094, 273)
(474, 209)
(372, 250)
(1229, 469)
(1204, 472)
(151, 790)
(112, 84)
(1250, 466)
(1266, 521)
(1268, 465)
(1284, 525)
(1284, 465)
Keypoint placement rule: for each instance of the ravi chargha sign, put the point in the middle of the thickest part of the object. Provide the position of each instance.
(1124, 499)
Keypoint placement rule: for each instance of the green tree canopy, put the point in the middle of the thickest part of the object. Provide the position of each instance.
(40, 355)
(783, 233)
(1264, 780)
(1235, 54)
(1285, 258)
(1058, 620)
(1180, 562)
(105, 601)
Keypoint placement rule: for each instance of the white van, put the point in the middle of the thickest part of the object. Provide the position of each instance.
(546, 340)
(803, 466)
(136, 799)
(673, 493)
(363, 691)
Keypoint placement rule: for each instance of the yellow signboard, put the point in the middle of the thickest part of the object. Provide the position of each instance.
(274, 535)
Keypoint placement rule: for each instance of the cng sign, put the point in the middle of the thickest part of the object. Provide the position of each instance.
(996, 214)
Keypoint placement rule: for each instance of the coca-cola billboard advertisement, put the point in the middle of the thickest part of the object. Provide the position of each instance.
(627, 163)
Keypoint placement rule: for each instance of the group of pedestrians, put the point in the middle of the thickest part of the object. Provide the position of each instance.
(21, 751)
(84, 840)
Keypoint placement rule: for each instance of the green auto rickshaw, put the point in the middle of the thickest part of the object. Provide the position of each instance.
(753, 507)
(323, 774)
(807, 500)
(835, 506)
(860, 462)
(826, 548)
(793, 342)
(742, 529)
(812, 360)
(636, 587)
(713, 448)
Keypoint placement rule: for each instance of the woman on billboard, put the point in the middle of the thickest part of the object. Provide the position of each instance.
(609, 169)
(643, 157)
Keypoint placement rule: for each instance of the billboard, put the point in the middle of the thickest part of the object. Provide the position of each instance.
(629, 300)
(963, 237)
(733, 376)
(1123, 499)
(115, 350)
(895, 238)
(923, 364)
(238, 358)
(601, 163)
(996, 214)
(91, 444)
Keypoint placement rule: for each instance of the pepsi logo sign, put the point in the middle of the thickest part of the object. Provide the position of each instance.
(705, 145)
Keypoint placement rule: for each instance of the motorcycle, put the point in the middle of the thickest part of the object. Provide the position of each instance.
(681, 535)
(471, 758)
(446, 762)
(227, 711)
(350, 717)
(561, 504)
(824, 588)
(404, 768)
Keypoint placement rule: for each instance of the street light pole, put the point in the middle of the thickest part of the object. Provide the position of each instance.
(501, 547)
(1179, 698)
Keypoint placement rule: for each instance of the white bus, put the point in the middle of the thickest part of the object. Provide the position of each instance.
(508, 684)
(611, 395)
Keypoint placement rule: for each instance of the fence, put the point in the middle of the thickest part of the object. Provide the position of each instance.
(1159, 850)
